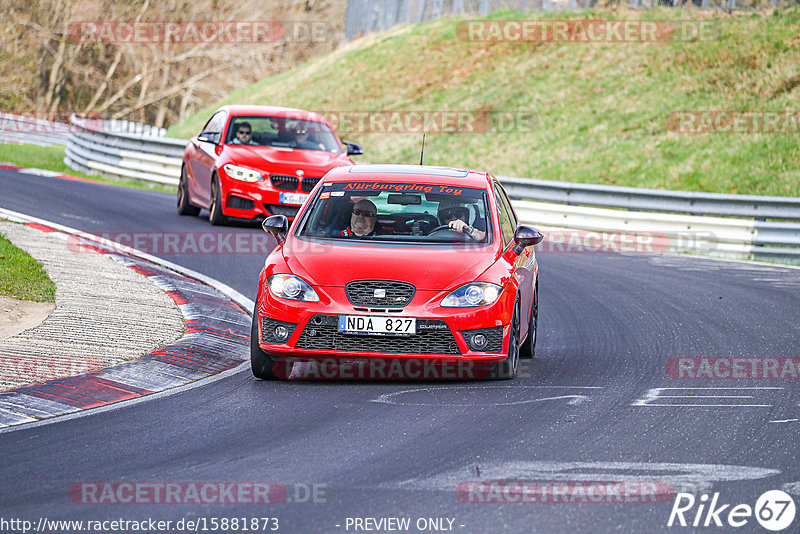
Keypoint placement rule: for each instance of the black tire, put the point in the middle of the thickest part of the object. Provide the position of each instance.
(184, 206)
(215, 214)
(261, 363)
(528, 349)
(507, 369)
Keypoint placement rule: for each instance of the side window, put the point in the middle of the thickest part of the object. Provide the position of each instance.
(214, 125)
(507, 205)
(505, 222)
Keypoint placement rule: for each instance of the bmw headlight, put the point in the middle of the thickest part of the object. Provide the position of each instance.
(289, 286)
(474, 294)
(242, 173)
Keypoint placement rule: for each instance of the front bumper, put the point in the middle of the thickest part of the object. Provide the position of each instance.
(248, 200)
(442, 333)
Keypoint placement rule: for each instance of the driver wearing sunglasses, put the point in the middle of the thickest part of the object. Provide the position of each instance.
(362, 220)
(244, 134)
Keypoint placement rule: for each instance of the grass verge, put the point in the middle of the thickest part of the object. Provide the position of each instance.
(22, 277)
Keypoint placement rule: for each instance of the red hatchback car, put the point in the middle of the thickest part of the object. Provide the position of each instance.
(400, 263)
(256, 161)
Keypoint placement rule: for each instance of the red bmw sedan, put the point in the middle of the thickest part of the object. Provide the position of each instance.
(400, 263)
(255, 161)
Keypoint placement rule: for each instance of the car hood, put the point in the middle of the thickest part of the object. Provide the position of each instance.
(273, 159)
(326, 264)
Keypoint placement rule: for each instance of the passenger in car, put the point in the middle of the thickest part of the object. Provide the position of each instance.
(362, 220)
(302, 140)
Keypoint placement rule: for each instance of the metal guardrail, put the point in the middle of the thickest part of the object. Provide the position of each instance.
(721, 236)
(580, 229)
(634, 198)
(93, 147)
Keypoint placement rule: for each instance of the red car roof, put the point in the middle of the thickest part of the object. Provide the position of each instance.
(410, 174)
(273, 111)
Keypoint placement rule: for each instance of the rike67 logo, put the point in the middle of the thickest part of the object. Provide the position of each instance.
(774, 510)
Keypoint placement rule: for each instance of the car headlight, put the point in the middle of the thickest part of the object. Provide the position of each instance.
(242, 173)
(474, 294)
(289, 286)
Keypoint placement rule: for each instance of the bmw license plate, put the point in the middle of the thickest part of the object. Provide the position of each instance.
(292, 198)
(377, 325)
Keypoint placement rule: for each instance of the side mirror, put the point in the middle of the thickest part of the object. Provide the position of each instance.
(277, 225)
(207, 137)
(353, 149)
(525, 236)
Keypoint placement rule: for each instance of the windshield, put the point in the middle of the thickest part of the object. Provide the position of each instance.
(398, 212)
(282, 132)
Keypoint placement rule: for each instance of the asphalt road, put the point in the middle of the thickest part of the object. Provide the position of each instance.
(588, 409)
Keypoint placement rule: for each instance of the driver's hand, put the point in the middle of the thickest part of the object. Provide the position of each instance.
(460, 226)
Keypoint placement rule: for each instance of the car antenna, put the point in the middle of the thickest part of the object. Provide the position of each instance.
(422, 151)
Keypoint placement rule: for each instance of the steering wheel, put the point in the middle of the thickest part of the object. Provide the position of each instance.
(447, 227)
(423, 219)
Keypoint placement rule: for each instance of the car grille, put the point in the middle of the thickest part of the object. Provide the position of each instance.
(362, 293)
(432, 337)
(284, 182)
(309, 183)
(494, 339)
(289, 211)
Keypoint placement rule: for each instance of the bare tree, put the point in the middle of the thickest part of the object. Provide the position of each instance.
(158, 82)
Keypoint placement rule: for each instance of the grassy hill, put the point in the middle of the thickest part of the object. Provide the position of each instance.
(601, 109)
